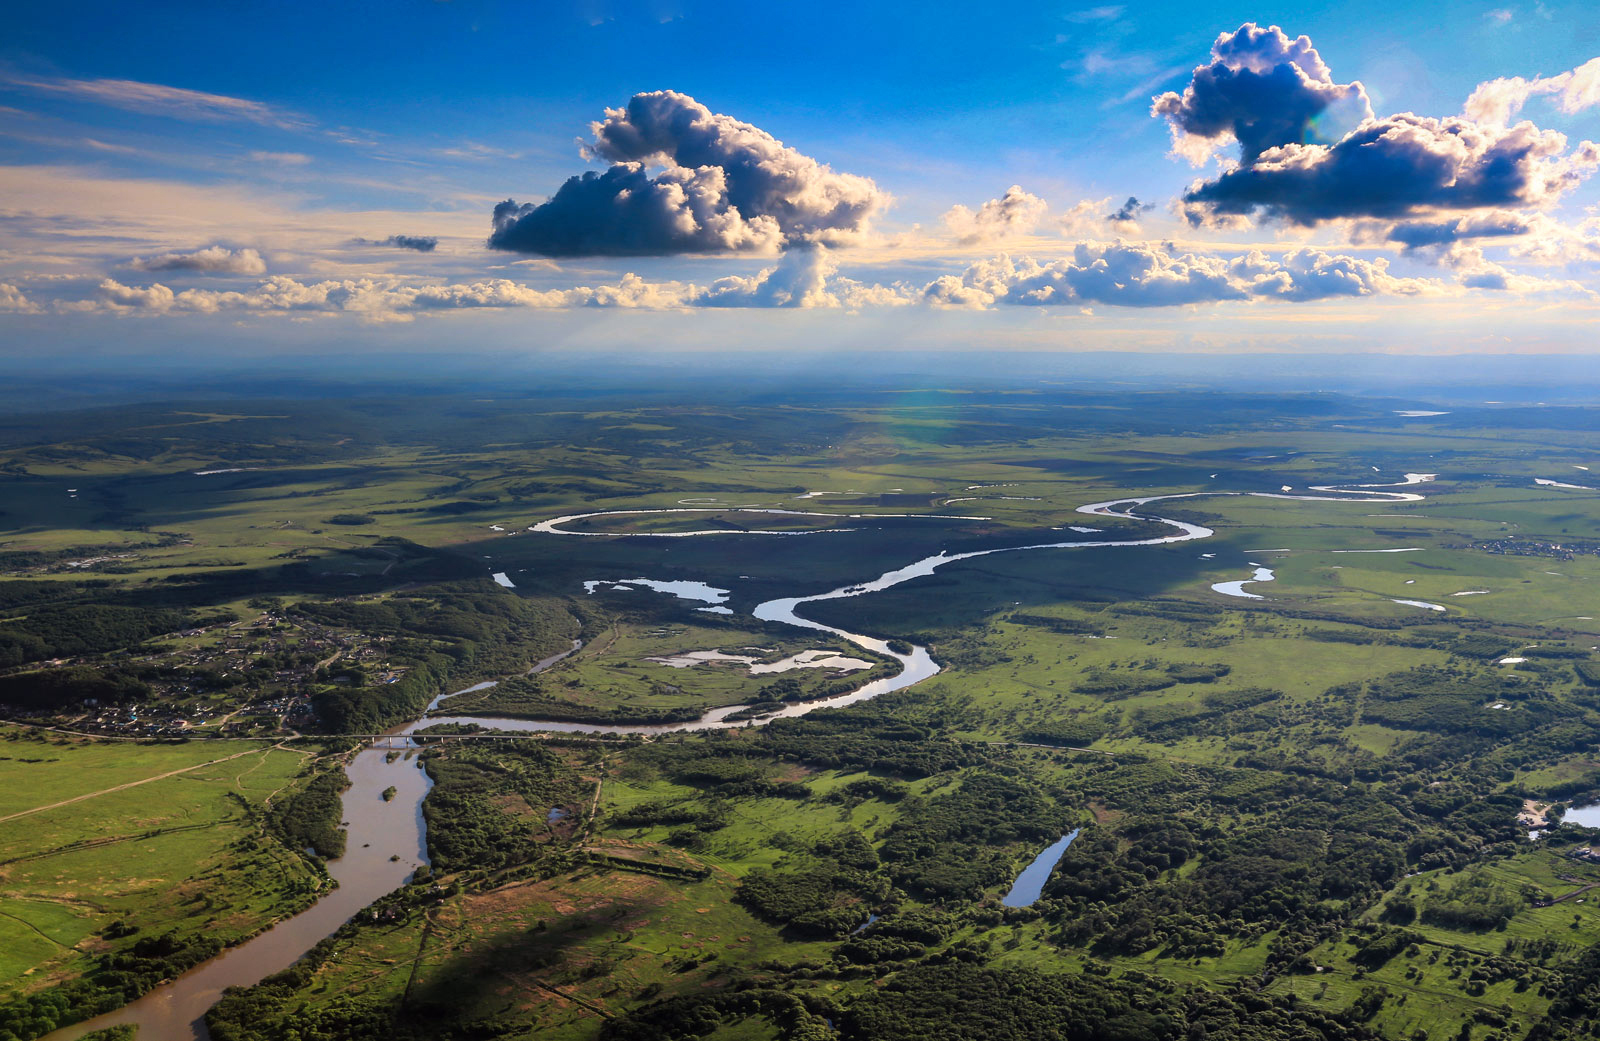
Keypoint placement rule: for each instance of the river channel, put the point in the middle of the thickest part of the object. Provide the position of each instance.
(385, 839)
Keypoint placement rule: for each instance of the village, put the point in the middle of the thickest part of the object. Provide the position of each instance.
(249, 678)
(1517, 547)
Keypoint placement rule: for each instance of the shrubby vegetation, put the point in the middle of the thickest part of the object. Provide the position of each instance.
(827, 898)
(489, 806)
(456, 632)
(1457, 701)
(1473, 902)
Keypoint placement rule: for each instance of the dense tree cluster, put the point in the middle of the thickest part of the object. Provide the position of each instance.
(68, 688)
(64, 630)
(869, 736)
(309, 819)
(119, 976)
(955, 844)
(964, 1002)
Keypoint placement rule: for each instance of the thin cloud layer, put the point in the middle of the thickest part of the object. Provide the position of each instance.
(1095, 273)
(161, 100)
(724, 186)
(213, 260)
(1277, 99)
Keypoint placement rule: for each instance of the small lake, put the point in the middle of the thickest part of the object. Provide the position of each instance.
(1583, 816)
(1026, 889)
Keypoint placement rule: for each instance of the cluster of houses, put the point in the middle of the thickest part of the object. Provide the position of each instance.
(1515, 547)
(302, 653)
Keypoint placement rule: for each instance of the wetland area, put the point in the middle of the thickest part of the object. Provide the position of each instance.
(752, 764)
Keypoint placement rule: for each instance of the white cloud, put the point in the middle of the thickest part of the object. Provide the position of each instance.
(14, 301)
(1015, 213)
(1152, 275)
(1260, 90)
(803, 278)
(1498, 100)
(1311, 151)
(1475, 271)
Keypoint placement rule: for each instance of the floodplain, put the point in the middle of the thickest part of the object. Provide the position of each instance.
(1334, 810)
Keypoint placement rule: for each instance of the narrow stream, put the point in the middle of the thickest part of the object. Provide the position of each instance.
(385, 840)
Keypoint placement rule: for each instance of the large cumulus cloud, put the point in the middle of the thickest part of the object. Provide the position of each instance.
(1396, 167)
(1261, 89)
(685, 179)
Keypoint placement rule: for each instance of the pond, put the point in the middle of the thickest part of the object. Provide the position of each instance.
(1026, 889)
(1583, 816)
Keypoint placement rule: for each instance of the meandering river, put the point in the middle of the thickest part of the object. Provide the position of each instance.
(385, 839)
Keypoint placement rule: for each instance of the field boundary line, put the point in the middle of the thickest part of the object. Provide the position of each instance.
(130, 784)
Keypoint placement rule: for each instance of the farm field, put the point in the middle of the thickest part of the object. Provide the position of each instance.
(139, 840)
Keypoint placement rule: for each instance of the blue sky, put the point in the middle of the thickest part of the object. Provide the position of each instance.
(135, 138)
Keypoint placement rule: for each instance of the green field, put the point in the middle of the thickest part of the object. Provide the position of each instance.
(151, 838)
